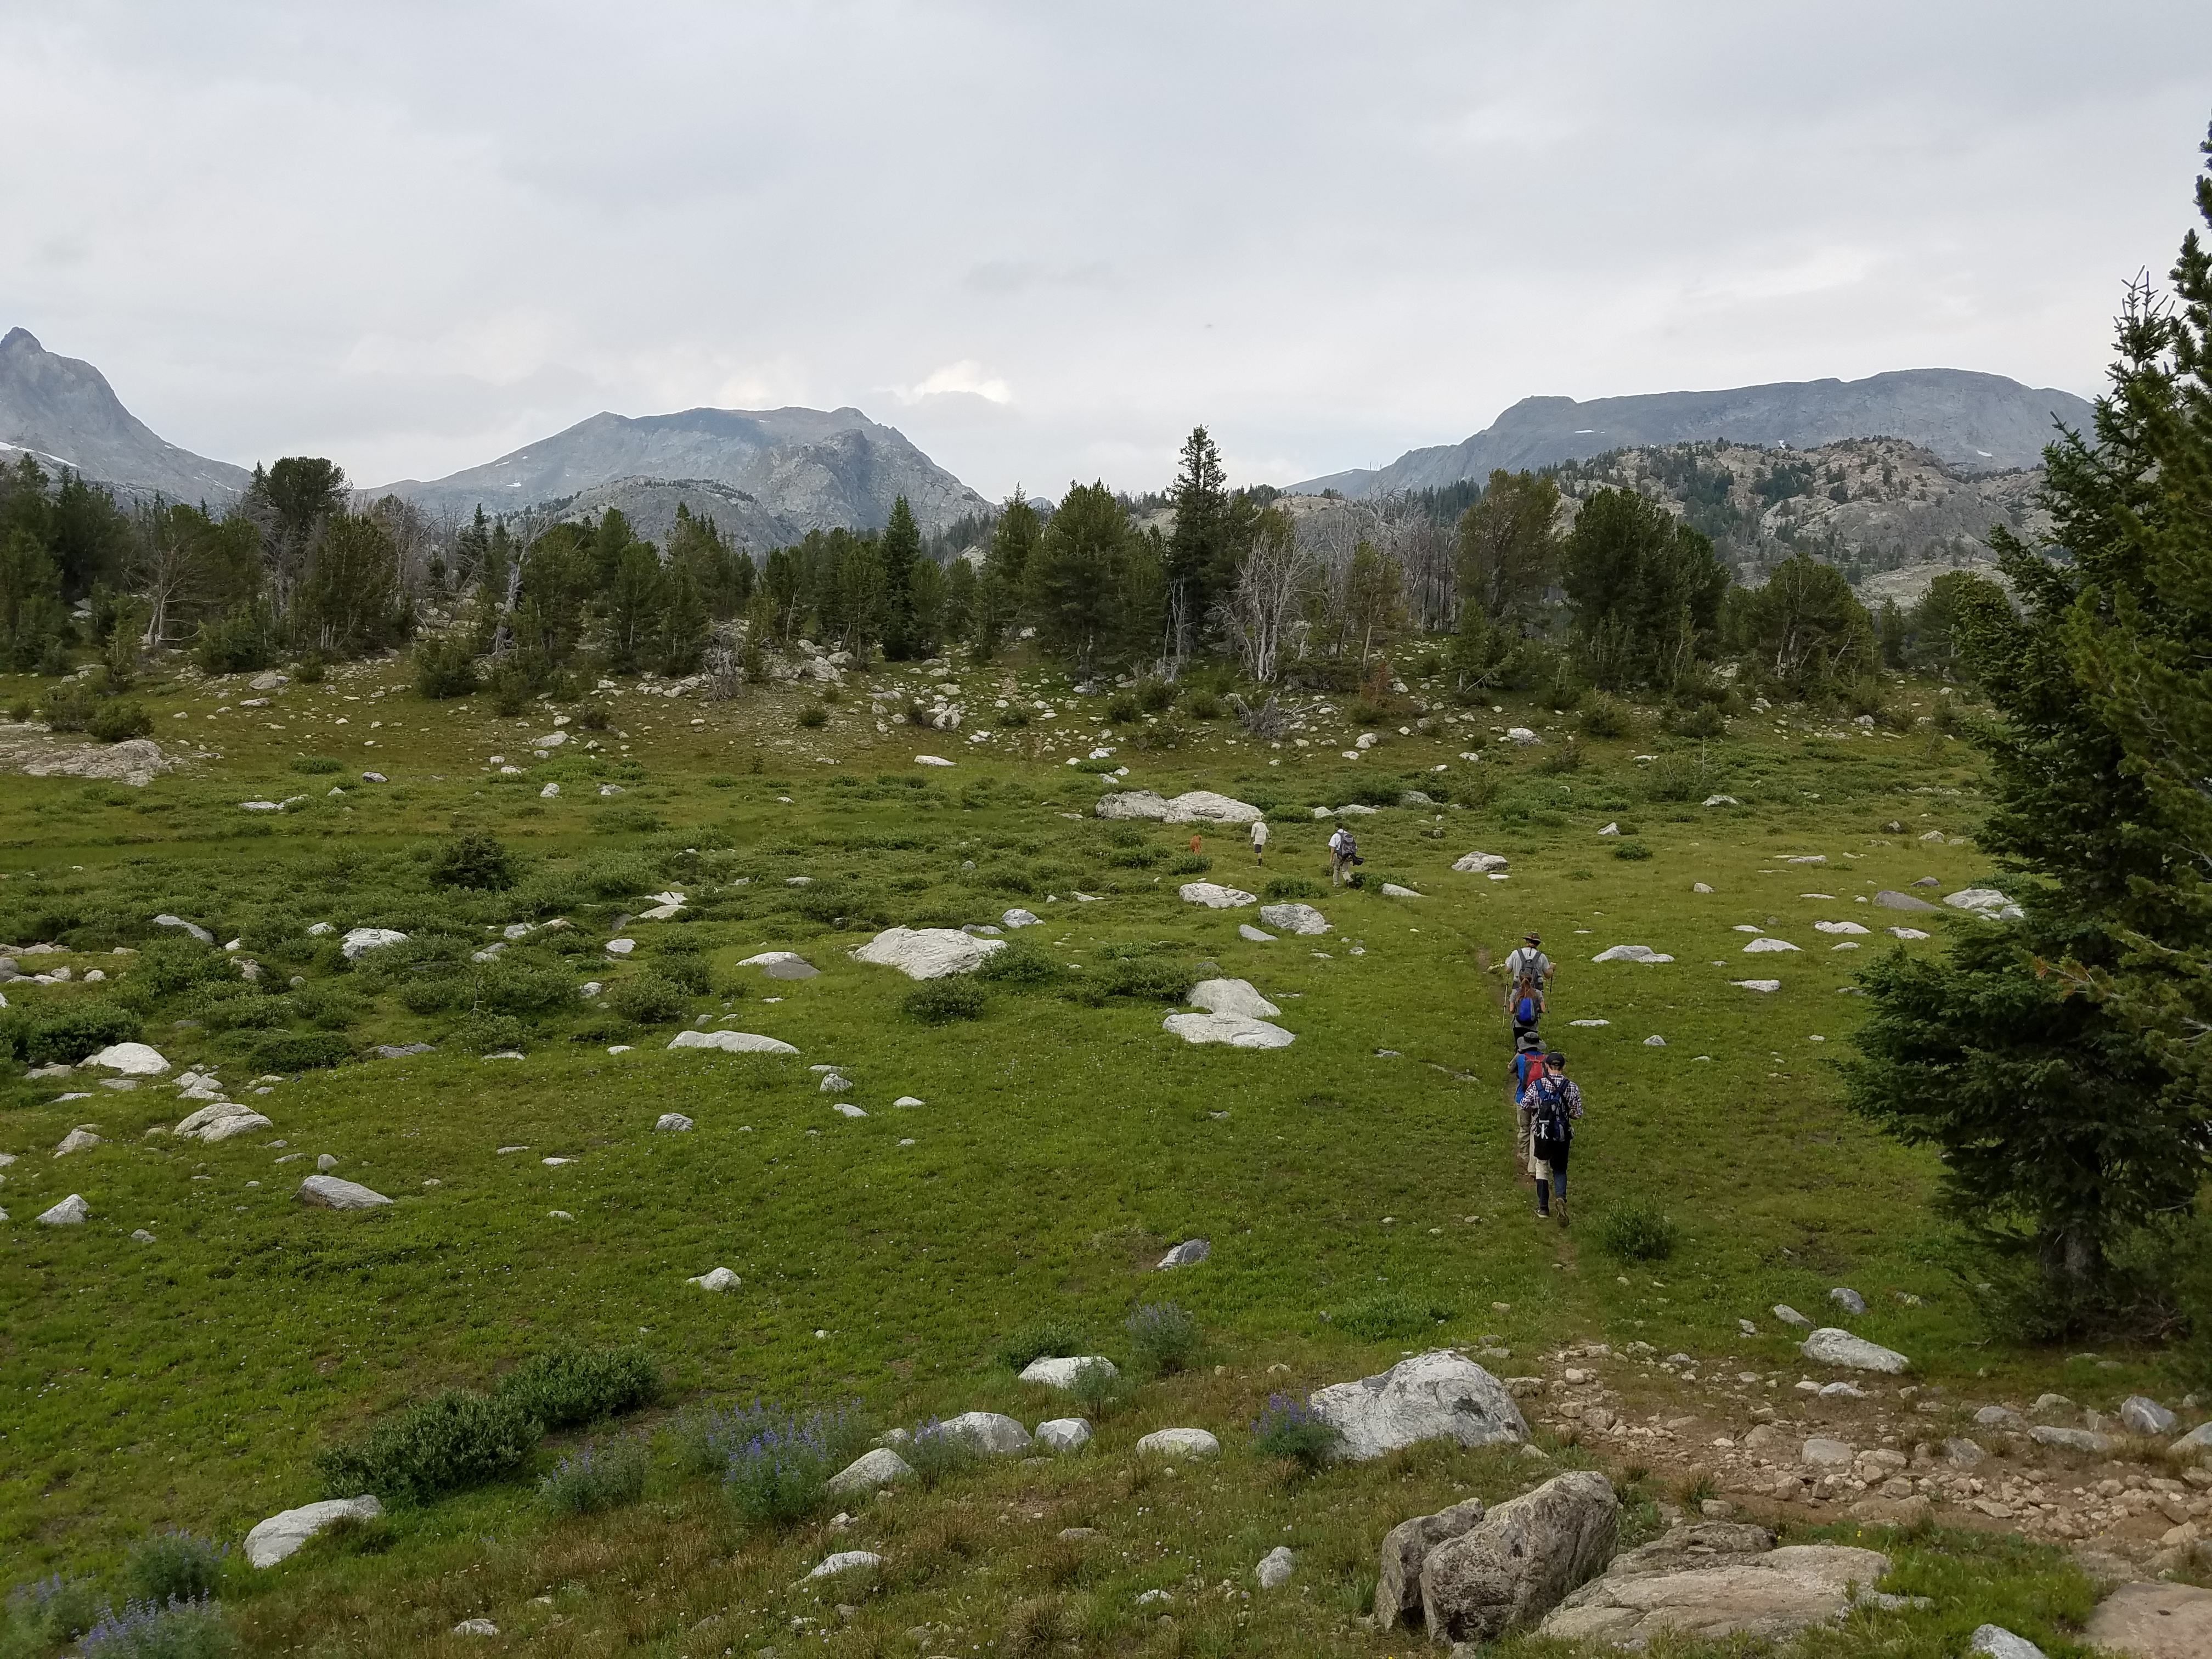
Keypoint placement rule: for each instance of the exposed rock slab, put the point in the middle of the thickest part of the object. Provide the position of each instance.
(1294, 918)
(1478, 864)
(283, 1534)
(1831, 1347)
(1215, 896)
(1062, 1373)
(994, 1432)
(130, 1059)
(328, 1192)
(1235, 1030)
(1204, 806)
(1889, 899)
(1179, 1443)
(1520, 1561)
(359, 939)
(2154, 1621)
(872, 1469)
(1133, 804)
(1405, 1547)
(1769, 1596)
(927, 952)
(1437, 1395)
(735, 1042)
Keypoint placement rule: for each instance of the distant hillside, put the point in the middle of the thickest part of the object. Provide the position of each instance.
(765, 476)
(1890, 515)
(1970, 422)
(64, 413)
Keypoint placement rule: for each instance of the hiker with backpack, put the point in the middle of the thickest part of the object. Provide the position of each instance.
(1528, 1063)
(1528, 972)
(1259, 841)
(1343, 853)
(1551, 1103)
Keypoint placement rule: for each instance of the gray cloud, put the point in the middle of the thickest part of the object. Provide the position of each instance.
(1044, 242)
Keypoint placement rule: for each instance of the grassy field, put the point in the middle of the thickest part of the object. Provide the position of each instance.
(1357, 1187)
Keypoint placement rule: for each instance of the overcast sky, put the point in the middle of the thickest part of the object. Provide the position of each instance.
(1046, 240)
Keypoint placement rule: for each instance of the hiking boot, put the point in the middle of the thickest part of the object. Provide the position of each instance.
(1559, 1205)
(1543, 1215)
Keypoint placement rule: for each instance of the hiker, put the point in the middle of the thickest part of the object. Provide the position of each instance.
(1528, 973)
(1259, 840)
(1528, 1063)
(1343, 853)
(1553, 1103)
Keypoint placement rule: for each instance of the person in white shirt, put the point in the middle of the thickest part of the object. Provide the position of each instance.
(1342, 850)
(1259, 840)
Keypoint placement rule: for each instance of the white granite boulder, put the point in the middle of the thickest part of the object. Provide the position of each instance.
(1132, 804)
(1631, 953)
(1437, 1395)
(328, 1192)
(1245, 930)
(992, 1432)
(1214, 897)
(1294, 918)
(360, 940)
(1766, 946)
(1019, 917)
(1062, 1373)
(1232, 996)
(734, 1042)
(1237, 1031)
(1520, 1561)
(1178, 1442)
(867, 1472)
(1830, 1346)
(1188, 1254)
(1204, 806)
(69, 1212)
(720, 1279)
(1478, 864)
(1766, 1597)
(283, 1534)
(850, 1560)
(674, 1123)
(1983, 902)
(1063, 1434)
(220, 1120)
(130, 1059)
(927, 952)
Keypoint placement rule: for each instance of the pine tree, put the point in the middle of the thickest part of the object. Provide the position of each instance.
(1644, 589)
(2053, 1061)
(1083, 581)
(635, 601)
(1201, 555)
(898, 553)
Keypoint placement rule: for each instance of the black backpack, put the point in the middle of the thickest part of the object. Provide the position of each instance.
(1551, 1121)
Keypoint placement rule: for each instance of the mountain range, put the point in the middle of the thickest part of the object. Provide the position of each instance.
(63, 412)
(1973, 421)
(766, 476)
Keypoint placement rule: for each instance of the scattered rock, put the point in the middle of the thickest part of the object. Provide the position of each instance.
(1654, 1042)
(1838, 927)
(1204, 806)
(1996, 1642)
(2145, 1416)
(1245, 930)
(2198, 1439)
(281, 1534)
(2154, 1621)
(140, 1236)
(872, 1469)
(735, 1042)
(1061, 1373)
(2087, 1440)
(846, 1560)
(77, 1140)
(1478, 864)
(1235, 1030)
(1522, 735)
(993, 1432)
(1963, 1454)
(1822, 1453)
(927, 952)
(721, 1279)
(1405, 1547)
(1063, 1434)
(1983, 902)
(1759, 946)
(1997, 1417)
(1294, 918)
(1699, 887)
(402, 1050)
(219, 1121)
(359, 939)
(1276, 1567)
(130, 1059)
(846, 1108)
(1132, 804)
(477, 1626)
(1391, 890)
(1758, 984)
(328, 1192)
(1019, 918)
(673, 1123)
(1630, 953)
(1830, 1346)
(1178, 1442)
(1214, 897)
(1520, 1561)
(1232, 996)
(1722, 800)
(1849, 1300)
(783, 964)
(1888, 899)
(1790, 1315)
(69, 1212)
(931, 760)
(1437, 1395)
(1188, 1254)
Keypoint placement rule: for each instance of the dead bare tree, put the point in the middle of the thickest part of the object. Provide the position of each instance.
(1266, 601)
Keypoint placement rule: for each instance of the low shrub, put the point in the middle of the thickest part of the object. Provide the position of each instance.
(1122, 708)
(159, 1630)
(1387, 1315)
(1014, 717)
(116, 721)
(570, 1383)
(66, 707)
(1155, 696)
(1605, 715)
(941, 1001)
(473, 858)
(431, 994)
(1282, 888)
(1147, 979)
(316, 765)
(1637, 1230)
(175, 1566)
(1203, 705)
(49, 1612)
(1292, 1430)
(1365, 711)
(450, 1442)
(694, 974)
(67, 1035)
(1161, 1339)
(1189, 864)
(301, 1051)
(596, 1478)
(649, 998)
(1631, 850)
(1042, 1339)
(518, 988)
(1703, 721)
(814, 715)
(1567, 757)
(310, 669)
(482, 1032)
(1020, 963)
(445, 667)
(777, 1462)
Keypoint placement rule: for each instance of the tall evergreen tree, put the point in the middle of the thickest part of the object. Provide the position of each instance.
(2053, 1062)
(1087, 582)
(1201, 555)
(898, 553)
(1645, 591)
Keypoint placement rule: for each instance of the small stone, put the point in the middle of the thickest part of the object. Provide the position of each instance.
(1063, 1373)
(69, 1212)
(872, 1469)
(722, 1279)
(1849, 1300)
(1063, 1434)
(673, 1123)
(324, 1162)
(1275, 1568)
(848, 1560)
(140, 1236)
(1831, 1347)
(476, 1626)
(1822, 1453)
(1178, 1442)
(2087, 1440)
(2145, 1416)
(1654, 1042)
(1996, 1642)
(329, 1192)
(1188, 1253)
